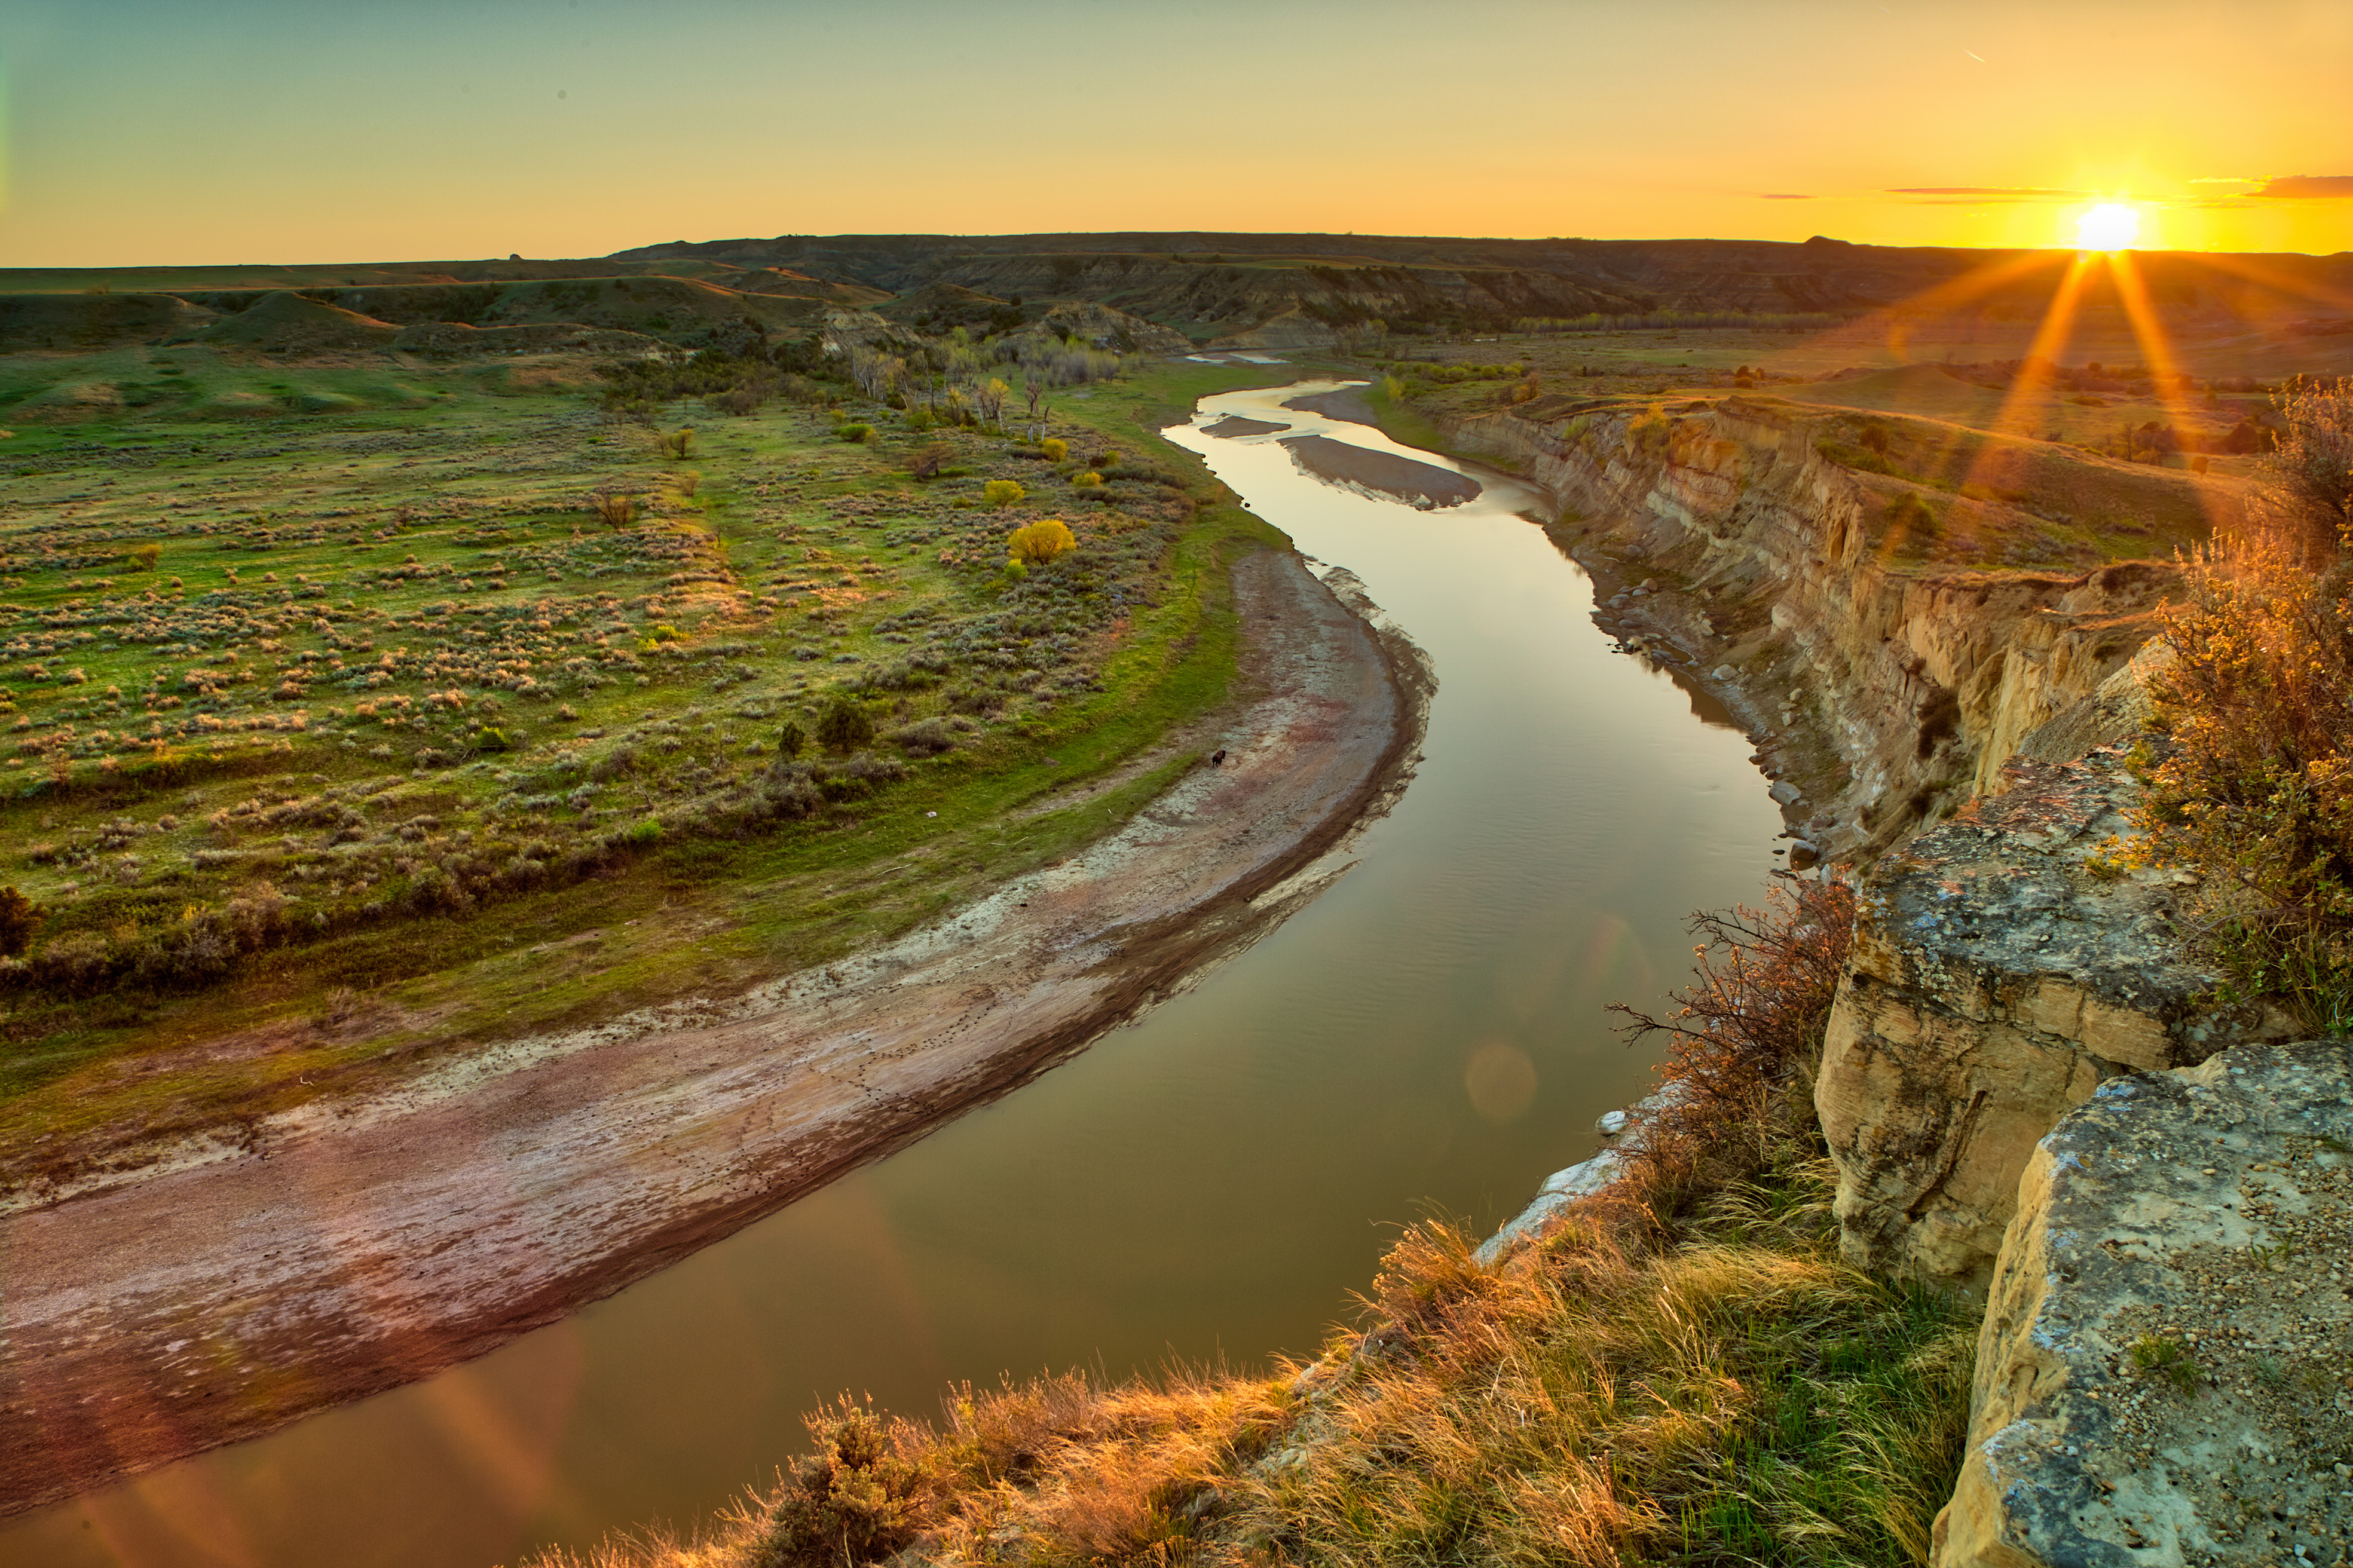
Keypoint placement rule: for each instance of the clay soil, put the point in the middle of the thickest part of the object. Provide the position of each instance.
(369, 1244)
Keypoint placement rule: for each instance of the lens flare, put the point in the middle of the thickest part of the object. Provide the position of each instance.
(2111, 226)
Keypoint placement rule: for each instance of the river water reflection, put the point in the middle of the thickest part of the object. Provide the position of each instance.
(1428, 1036)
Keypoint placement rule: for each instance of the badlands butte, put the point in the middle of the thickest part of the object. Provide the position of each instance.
(413, 664)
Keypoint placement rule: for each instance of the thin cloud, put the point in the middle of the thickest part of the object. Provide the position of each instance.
(1990, 192)
(2322, 187)
(1787, 197)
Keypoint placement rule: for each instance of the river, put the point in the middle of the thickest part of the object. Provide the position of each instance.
(1427, 1037)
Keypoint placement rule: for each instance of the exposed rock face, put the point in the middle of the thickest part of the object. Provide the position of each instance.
(1996, 980)
(1909, 689)
(2162, 1375)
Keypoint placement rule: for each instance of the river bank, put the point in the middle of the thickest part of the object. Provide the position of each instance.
(353, 1249)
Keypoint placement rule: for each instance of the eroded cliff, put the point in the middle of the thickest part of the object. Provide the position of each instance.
(1882, 693)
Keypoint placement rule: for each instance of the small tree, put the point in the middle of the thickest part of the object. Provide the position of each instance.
(1002, 492)
(844, 726)
(17, 918)
(678, 443)
(142, 557)
(616, 506)
(927, 463)
(1041, 541)
(790, 741)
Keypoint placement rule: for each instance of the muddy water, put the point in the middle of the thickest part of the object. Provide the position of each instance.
(1428, 1036)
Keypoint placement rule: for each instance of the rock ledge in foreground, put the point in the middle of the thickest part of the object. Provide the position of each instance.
(2165, 1375)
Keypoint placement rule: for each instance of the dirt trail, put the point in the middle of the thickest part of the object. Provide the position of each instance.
(351, 1251)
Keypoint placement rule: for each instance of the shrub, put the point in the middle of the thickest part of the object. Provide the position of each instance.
(2309, 471)
(617, 509)
(790, 741)
(1650, 433)
(924, 738)
(1002, 492)
(1089, 481)
(17, 918)
(2255, 787)
(927, 463)
(1106, 458)
(1055, 448)
(856, 435)
(1041, 541)
(860, 1498)
(844, 726)
(645, 832)
(686, 482)
(1908, 516)
(678, 443)
(143, 558)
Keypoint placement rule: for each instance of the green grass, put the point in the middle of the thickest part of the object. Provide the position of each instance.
(384, 654)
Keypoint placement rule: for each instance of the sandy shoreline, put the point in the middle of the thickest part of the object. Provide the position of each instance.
(341, 1256)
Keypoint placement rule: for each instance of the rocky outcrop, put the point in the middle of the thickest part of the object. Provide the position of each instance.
(2005, 964)
(2162, 1375)
(1886, 695)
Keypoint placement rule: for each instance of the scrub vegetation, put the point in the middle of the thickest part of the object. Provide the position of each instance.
(354, 709)
(1681, 1370)
(2251, 782)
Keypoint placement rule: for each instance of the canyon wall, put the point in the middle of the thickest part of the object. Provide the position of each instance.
(1883, 694)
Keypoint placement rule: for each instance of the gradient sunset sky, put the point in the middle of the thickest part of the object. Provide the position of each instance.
(156, 131)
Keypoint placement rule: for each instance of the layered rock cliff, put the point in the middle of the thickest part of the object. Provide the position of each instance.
(2005, 966)
(1886, 695)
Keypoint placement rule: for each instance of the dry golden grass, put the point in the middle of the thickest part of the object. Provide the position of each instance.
(1681, 1370)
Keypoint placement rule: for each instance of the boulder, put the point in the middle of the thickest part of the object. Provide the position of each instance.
(2004, 965)
(2165, 1375)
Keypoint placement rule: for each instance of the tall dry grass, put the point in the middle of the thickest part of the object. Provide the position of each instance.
(1681, 1370)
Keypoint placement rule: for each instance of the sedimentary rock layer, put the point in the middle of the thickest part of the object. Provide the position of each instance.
(2005, 964)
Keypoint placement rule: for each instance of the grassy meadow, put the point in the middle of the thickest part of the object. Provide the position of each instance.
(358, 710)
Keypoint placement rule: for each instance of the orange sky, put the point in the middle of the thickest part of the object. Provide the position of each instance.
(143, 131)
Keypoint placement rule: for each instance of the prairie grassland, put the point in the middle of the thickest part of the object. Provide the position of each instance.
(1953, 481)
(1682, 1370)
(345, 735)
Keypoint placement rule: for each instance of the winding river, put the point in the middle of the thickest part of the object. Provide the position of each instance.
(1429, 1036)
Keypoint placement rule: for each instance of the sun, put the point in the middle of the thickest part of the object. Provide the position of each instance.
(2111, 226)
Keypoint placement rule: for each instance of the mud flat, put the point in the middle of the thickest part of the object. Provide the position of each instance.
(364, 1245)
(1423, 485)
(1234, 425)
